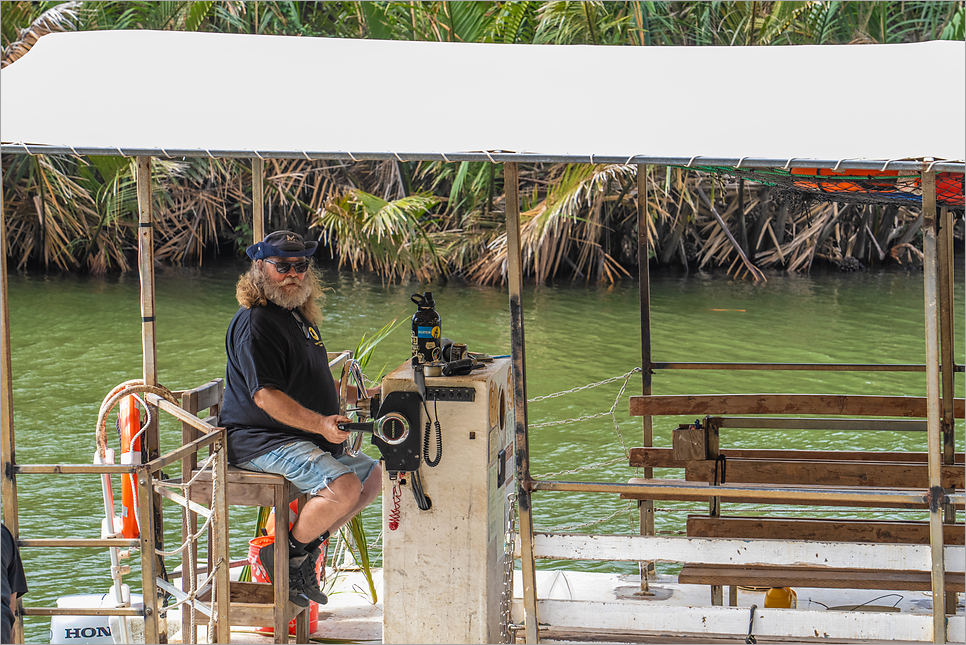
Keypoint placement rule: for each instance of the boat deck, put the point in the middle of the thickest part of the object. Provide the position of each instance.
(351, 617)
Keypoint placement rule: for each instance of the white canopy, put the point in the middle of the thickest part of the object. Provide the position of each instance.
(186, 93)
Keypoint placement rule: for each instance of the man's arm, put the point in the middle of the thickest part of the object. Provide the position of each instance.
(284, 408)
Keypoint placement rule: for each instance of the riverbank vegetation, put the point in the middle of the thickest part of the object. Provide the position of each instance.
(430, 220)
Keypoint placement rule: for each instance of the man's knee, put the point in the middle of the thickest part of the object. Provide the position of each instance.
(375, 477)
(344, 490)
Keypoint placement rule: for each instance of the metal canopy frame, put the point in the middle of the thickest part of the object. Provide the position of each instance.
(497, 156)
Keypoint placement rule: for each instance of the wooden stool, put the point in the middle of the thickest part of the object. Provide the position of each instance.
(252, 603)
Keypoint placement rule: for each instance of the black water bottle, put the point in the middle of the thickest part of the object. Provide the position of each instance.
(426, 332)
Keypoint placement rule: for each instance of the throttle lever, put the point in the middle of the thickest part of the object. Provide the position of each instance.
(356, 427)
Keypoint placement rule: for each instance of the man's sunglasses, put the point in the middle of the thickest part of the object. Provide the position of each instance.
(284, 267)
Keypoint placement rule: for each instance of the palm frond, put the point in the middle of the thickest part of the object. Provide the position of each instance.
(63, 17)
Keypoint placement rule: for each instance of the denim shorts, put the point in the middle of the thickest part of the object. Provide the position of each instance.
(308, 467)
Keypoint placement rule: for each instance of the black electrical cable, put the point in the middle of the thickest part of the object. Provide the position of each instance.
(422, 501)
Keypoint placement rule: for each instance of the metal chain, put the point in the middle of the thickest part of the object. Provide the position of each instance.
(548, 424)
(585, 387)
(613, 415)
(507, 596)
(627, 508)
(582, 468)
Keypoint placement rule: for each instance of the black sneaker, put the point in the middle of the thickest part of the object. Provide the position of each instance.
(267, 556)
(308, 582)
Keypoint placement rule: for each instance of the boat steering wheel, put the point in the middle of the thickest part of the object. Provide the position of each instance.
(352, 369)
(394, 422)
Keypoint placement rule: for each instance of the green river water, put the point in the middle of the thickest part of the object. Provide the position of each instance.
(74, 338)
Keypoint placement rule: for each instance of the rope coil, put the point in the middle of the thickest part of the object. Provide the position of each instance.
(136, 386)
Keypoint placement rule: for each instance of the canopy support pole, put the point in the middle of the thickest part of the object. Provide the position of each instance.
(936, 495)
(948, 364)
(518, 364)
(8, 488)
(151, 563)
(258, 200)
(646, 507)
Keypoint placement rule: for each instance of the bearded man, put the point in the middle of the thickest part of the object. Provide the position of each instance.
(281, 407)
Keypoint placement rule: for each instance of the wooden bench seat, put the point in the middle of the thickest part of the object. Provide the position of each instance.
(786, 500)
(816, 577)
(821, 530)
(825, 404)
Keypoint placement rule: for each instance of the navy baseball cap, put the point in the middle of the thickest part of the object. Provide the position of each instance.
(281, 244)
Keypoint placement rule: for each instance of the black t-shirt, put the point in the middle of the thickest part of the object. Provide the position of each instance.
(270, 346)
(12, 582)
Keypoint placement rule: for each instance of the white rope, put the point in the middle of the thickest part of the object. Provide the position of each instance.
(205, 465)
(221, 454)
(887, 164)
(202, 467)
(192, 593)
(191, 539)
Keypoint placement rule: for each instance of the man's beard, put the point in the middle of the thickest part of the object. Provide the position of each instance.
(290, 299)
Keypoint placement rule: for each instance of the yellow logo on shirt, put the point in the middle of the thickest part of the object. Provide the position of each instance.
(315, 336)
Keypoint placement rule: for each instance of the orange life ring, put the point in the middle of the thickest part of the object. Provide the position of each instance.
(129, 420)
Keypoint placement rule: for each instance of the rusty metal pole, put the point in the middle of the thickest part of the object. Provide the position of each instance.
(153, 625)
(518, 364)
(258, 200)
(933, 400)
(948, 352)
(644, 278)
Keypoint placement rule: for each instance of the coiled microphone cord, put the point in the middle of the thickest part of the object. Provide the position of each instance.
(432, 463)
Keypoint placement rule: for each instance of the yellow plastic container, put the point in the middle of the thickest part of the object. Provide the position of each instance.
(781, 597)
